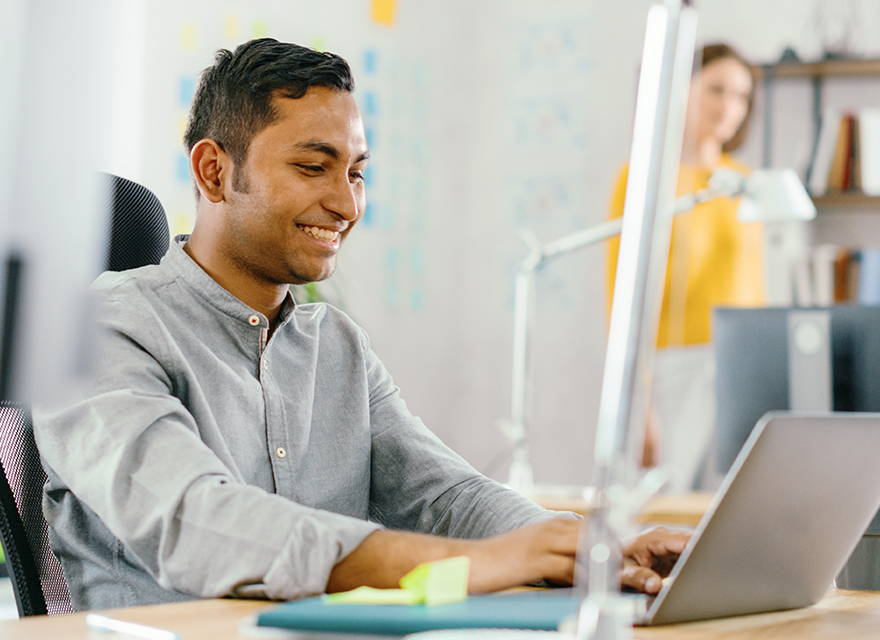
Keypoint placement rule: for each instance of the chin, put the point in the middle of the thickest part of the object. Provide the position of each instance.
(305, 276)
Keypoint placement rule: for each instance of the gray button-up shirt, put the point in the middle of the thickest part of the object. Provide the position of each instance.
(209, 460)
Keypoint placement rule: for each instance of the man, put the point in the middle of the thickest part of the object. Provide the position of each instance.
(235, 443)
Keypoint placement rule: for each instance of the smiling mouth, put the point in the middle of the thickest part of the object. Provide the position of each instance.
(325, 235)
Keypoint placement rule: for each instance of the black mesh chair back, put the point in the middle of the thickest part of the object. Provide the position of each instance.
(138, 236)
(37, 579)
(139, 228)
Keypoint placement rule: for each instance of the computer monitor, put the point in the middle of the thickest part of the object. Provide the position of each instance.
(752, 368)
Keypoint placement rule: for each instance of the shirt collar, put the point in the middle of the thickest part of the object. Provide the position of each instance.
(208, 289)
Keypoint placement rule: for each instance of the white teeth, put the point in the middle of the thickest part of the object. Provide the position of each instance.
(321, 234)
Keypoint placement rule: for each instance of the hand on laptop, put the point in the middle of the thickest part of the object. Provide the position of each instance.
(649, 557)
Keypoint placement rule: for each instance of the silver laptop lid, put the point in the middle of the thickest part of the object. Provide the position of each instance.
(790, 511)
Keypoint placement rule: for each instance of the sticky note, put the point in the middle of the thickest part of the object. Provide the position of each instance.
(431, 584)
(417, 300)
(182, 168)
(371, 104)
(181, 127)
(369, 215)
(369, 595)
(439, 582)
(417, 260)
(230, 27)
(182, 223)
(382, 11)
(259, 29)
(186, 89)
(371, 137)
(318, 43)
(188, 37)
(370, 61)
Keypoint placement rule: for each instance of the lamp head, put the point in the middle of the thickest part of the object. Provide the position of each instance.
(768, 195)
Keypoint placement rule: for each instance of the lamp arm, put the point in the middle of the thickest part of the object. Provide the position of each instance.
(538, 256)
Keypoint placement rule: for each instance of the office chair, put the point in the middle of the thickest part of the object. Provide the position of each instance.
(138, 236)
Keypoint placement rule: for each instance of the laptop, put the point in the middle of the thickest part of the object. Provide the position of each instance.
(791, 510)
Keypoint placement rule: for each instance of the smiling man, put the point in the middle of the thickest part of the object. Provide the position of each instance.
(235, 443)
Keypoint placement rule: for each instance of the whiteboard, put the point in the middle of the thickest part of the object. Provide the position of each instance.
(483, 117)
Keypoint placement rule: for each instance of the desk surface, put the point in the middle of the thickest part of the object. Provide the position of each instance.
(668, 509)
(842, 614)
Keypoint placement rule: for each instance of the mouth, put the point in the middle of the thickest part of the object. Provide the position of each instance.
(326, 237)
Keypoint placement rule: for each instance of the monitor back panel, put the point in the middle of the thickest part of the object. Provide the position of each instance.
(790, 511)
(751, 355)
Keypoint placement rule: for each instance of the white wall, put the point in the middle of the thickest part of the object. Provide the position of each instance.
(491, 116)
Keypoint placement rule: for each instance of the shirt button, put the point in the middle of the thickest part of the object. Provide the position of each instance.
(254, 320)
(281, 452)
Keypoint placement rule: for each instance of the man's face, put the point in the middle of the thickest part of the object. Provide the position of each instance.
(300, 189)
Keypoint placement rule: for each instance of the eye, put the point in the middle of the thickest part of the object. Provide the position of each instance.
(358, 176)
(310, 168)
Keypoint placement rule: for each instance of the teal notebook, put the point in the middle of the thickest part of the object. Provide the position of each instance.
(524, 610)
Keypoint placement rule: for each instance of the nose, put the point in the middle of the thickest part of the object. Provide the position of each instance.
(344, 198)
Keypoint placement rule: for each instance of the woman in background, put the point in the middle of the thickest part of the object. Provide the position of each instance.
(714, 259)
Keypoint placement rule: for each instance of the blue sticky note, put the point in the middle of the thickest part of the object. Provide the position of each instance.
(371, 104)
(369, 215)
(392, 260)
(417, 300)
(186, 89)
(370, 61)
(182, 167)
(370, 137)
(417, 260)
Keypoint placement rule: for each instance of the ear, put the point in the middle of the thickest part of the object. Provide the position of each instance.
(211, 166)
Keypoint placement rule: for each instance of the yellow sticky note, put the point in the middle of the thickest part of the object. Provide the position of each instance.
(382, 11)
(181, 126)
(369, 595)
(318, 44)
(440, 582)
(188, 37)
(259, 29)
(230, 27)
(431, 583)
(183, 223)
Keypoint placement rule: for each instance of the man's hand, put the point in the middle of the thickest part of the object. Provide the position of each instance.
(649, 557)
(542, 551)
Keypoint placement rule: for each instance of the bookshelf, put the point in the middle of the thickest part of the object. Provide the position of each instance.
(822, 69)
(846, 199)
(816, 73)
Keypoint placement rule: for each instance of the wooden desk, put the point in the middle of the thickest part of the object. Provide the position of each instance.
(680, 510)
(842, 614)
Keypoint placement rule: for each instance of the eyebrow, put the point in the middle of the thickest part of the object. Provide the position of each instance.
(327, 149)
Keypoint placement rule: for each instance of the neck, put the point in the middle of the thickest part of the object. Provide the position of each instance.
(261, 295)
(703, 153)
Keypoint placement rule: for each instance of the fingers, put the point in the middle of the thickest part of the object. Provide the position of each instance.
(657, 549)
(641, 579)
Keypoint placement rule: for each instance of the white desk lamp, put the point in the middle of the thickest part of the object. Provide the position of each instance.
(768, 195)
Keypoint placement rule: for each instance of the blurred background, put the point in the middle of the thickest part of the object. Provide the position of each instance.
(483, 118)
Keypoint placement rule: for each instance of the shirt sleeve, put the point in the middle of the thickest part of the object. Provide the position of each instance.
(131, 452)
(420, 484)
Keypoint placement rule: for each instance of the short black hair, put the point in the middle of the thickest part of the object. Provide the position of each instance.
(233, 101)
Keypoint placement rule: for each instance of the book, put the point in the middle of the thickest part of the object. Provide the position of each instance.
(869, 151)
(541, 609)
(840, 157)
(821, 161)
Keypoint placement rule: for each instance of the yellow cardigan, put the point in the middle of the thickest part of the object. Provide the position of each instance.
(714, 259)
